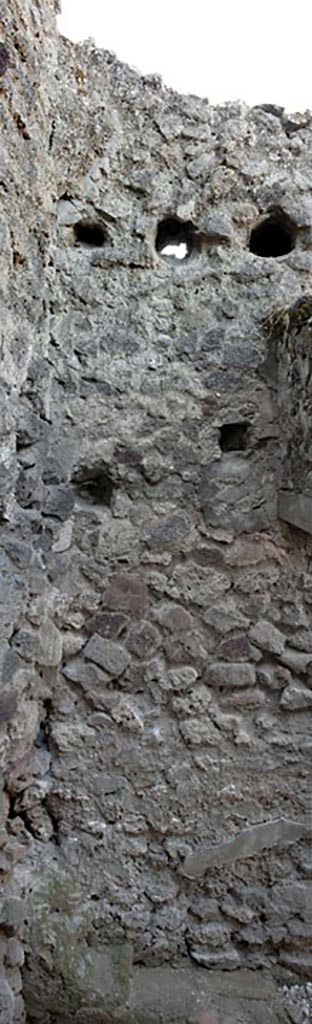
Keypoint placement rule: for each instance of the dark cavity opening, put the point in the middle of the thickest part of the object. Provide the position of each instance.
(274, 236)
(12, 813)
(90, 234)
(94, 485)
(175, 238)
(4, 59)
(233, 437)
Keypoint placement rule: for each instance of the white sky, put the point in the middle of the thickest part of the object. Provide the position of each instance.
(255, 50)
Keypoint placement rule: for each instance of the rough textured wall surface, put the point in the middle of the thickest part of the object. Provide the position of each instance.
(156, 630)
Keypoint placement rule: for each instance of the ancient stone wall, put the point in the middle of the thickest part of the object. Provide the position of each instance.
(157, 640)
(27, 49)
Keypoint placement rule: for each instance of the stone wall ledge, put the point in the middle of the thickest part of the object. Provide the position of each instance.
(248, 843)
(296, 509)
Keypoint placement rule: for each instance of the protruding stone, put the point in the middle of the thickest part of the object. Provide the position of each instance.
(168, 532)
(6, 1002)
(297, 661)
(182, 678)
(14, 954)
(223, 960)
(143, 640)
(50, 640)
(173, 617)
(236, 648)
(107, 624)
(8, 705)
(12, 913)
(266, 636)
(126, 593)
(230, 674)
(296, 697)
(110, 656)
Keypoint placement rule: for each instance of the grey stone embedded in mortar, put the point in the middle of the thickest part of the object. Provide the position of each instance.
(6, 1002)
(106, 653)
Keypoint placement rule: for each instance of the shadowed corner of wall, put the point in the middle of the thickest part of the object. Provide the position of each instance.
(292, 328)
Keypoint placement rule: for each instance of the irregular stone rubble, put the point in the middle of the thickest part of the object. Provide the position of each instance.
(155, 545)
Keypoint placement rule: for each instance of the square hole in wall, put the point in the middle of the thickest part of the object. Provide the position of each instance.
(233, 437)
(93, 485)
(89, 233)
(175, 238)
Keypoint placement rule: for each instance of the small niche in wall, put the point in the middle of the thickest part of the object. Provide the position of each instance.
(89, 234)
(274, 236)
(93, 485)
(233, 437)
(175, 238)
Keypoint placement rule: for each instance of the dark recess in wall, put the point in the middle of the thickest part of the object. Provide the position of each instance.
(94, 485)
(233, 437)
(273, 237)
